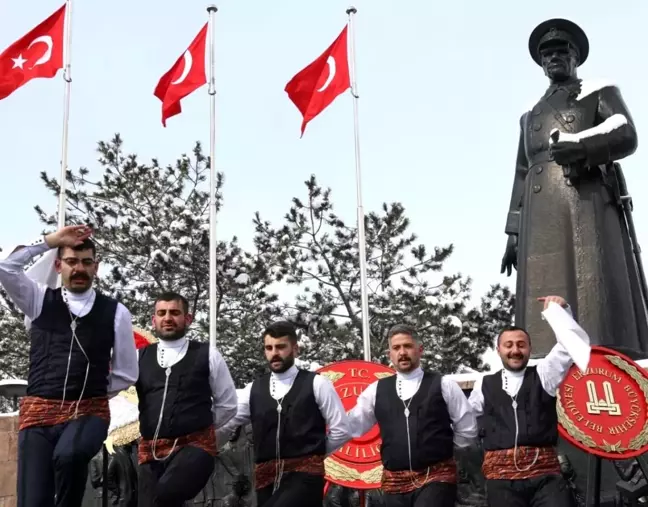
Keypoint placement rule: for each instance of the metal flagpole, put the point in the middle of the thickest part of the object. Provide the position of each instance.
(364, 296)
(67, 77)
(213, 293)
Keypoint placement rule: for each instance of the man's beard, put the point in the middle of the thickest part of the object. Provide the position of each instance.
(171, 335)
(406, 367)
(286, 364)
(523, 364)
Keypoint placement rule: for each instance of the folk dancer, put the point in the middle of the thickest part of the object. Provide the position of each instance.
(185, 392)
(422, 416)
(517, 406)
(82, 352)
(290, 410)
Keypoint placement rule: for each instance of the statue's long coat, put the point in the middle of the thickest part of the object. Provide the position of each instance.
(573, 239)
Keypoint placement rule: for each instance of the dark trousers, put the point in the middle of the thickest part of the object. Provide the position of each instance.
(297, 489)
(53, 461)
(172, 482)
(433, 494)
(545, 491)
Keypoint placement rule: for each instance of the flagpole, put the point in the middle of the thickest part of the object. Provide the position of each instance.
(364, 296)
(67, 77)
(213, 292)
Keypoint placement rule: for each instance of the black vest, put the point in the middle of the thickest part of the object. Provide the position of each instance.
(51, 337)
(536, 412)
(431, 435)
(189, 398)
(302, 430)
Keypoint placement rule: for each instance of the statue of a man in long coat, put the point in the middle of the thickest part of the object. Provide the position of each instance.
(569, 225)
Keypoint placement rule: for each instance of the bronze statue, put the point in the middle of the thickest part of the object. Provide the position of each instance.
(569, 225)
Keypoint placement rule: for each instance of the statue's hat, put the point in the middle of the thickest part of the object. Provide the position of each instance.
(554, 30)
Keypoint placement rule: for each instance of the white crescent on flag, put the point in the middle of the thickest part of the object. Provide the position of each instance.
(188, 62)
(46, 39)
(330, 61)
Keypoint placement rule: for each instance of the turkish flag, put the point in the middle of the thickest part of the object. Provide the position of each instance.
(186, 76)
(317, 85)
(37, 54)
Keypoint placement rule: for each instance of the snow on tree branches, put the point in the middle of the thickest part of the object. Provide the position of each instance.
(318, 251)
(152, 234)
(152, 230)
(14, 345)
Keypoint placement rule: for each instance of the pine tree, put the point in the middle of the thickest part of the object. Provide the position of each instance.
(317, 251)
(14, 343)
(151, 226)
(152, 232)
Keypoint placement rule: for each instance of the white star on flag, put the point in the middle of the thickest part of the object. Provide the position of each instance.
(18, 62)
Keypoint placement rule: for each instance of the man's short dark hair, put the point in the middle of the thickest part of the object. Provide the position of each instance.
(87, 244)
(173, 296)
(402, 329)
(280, 329)
(508, 329)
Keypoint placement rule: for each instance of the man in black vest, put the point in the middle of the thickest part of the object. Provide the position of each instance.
(82, 352)
(185, 393)
(290, 410)
(421, 416)
(519, 422)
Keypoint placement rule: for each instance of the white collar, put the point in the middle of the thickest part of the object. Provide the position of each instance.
(411, 375)
(289, 373)
(513, 374)
(172, 344)
(79, 296)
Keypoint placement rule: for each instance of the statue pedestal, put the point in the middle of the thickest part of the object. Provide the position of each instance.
(8, 459)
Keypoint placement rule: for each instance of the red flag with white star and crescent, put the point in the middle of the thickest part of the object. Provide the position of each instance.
(314, 88)
(186, 76)
(37, 54)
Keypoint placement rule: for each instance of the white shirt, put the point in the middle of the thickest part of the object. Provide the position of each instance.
(28, 296)
(552, 370)
(326, 397)
(464, 424)
(222, 386)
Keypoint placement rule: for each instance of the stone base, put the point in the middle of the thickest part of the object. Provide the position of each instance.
(8, 459)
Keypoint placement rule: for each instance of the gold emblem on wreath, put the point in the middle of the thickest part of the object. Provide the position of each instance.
(129, 432)
(575, 432)
(144, 333)
(333, 376)
(122, 436)
(341, 472)
(383, 374)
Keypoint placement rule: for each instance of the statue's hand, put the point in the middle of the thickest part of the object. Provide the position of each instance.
(509, 260)
(565, 153)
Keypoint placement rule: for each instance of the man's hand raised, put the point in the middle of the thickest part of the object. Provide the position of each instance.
(553, 299)
(71, 235)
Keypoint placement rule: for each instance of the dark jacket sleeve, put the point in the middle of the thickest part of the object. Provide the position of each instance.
(517, 193)
(615, 136)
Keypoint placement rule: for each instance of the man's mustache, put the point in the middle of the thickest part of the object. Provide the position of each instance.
(80, 276)
(516, 356)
